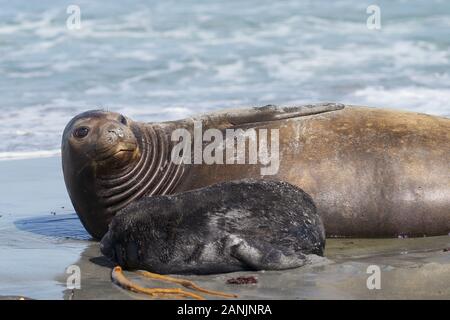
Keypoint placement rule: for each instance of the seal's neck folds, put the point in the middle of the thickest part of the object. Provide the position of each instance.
(153, 174)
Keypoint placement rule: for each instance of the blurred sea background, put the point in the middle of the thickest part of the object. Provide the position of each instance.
(163, 60)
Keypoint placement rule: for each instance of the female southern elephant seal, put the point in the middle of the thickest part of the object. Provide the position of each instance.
(231, 226)
(371, 172)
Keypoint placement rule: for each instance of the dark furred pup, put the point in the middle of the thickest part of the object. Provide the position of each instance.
(231, 226)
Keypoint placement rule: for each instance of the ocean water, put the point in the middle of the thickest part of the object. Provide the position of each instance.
(163, 60)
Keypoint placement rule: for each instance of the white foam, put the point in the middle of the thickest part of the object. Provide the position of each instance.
(29, 75)
(20, 155)
(230, 71)
(430, 100)
(29, 23)
(142, 55)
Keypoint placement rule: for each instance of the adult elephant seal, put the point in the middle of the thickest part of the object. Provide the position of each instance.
(227, 227)
(371, 172)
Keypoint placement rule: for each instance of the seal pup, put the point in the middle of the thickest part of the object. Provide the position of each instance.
(230, 226)
(371, 172)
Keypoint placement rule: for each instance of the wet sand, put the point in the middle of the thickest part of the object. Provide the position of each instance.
(40, 236)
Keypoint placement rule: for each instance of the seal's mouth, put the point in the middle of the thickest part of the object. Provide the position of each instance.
(116, 151)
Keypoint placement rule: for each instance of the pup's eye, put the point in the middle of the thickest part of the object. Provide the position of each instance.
(123, 120)
(81, 132)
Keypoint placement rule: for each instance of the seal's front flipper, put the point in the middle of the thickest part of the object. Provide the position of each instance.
(264, 256)
(266, 113)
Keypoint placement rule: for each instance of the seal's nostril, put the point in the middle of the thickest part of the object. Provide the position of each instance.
(117, 131)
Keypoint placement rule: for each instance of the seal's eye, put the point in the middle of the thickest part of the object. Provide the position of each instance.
(123, 120)
(81, 132)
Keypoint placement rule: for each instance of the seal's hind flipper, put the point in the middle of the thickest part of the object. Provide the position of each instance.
(266, 113)
(264, 256)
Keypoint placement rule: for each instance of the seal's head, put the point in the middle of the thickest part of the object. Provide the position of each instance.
(100, 139)
(109, 161)
(96, 144)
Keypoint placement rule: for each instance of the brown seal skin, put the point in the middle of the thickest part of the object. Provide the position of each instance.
(371, 172)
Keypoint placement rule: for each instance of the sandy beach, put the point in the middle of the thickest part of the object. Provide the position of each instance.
(40, 236)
